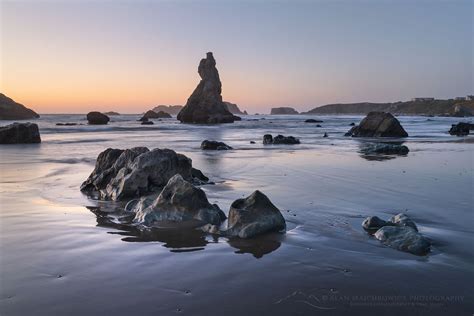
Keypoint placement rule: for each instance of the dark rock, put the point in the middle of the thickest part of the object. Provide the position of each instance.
(154, 115)
(280, 139)
(313, 121)
(205, 105)
(20, 133)
(317, 125)
(325, 135)
(461, 129)
(121, 174)
(237, 118)
(373, 223)
(254, 215)
(403, 220)
(97, 118)
(11, 110)
(386, 149)
(66, 124)
(352, 124)
(403, 238)
(378, 124)
(283, 111)
(147, 122)
(198, 175)
(170, 109)
(214, 145)
(178, 202)
(252, 142)
(233, 108)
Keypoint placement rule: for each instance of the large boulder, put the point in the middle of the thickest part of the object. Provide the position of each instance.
(254, 215)
(11, 110)
(378, 124)
(214, 145)
(283, 111)
(135, 172)
(20, 133)
(280, 139)
(97, 118)
(178, 202)
(399, 232)
(461, 129)
(205, 105)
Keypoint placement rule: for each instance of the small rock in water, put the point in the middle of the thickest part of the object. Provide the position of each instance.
(252, 142)
(97, 118)
(280, 139)
(325, 135)
(352, 124)
(313, 121)
(147, 123)
(461, 129)
(214, 145)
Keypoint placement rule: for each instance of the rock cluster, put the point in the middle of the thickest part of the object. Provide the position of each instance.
(399, 232)
(154, 115)
(205, 105)
(461, 129)
(385, 149)
(378, 124)
(129, 173)
(11, 110)
(214, 145)
(97, 118)
(280, 139)
(20, 133)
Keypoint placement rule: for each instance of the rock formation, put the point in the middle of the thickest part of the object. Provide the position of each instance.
(205, 105)
(378, 124)
(154, 115)
(97, 118)
(11, 110)
(178, 202)
(214, 145)
(400, 232)
(170, 109)
(385, 149)
(283, 110)
(254, 215)
(280, 139)
(121, 174)
(234, 109)
(461, 129)
(20, 133)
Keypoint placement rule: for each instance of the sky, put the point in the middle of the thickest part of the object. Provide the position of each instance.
(129, 56)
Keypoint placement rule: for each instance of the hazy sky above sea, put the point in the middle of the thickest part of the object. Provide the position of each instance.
(129, 56)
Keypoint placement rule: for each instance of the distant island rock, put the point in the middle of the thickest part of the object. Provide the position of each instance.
(205, 105)
(112, 113)
(170, 109)
(20, 133)
(11, 110)
(458, 108)
(97, 118)
(283, 110)
(234, 109)
(154, 115)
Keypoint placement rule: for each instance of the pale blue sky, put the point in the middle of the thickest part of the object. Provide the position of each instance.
(130, 55)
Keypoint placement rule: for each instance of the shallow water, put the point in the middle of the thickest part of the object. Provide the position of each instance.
(63, 253)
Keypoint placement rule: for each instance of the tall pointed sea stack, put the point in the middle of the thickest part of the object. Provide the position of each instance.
(205, 105)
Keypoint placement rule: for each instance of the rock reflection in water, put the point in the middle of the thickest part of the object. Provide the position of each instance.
(382, 151)
(181, 237)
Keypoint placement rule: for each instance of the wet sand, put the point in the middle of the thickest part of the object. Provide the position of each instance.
(63, 253)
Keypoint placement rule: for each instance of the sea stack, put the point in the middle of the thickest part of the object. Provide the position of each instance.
(205, 105)
(11, 110)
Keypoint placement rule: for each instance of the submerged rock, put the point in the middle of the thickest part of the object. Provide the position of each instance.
(205, 105)
(254, 215)
(178, 202)
(461, 129)
(134, 172)
(313, 121)
(97, 118)
(386, 149)
(20, 133)
(400, 232)
(214, 145)
(378, 124)
(280, 139)
(11, 110)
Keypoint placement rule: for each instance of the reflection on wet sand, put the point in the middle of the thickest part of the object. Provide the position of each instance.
(368, 151)
(181, 237)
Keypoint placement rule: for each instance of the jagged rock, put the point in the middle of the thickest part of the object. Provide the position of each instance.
(179, 201)
(254, 215)
(313, 121)
(170, 109)
(400, 232)
(283, 111)
(198, 175)
(403, 238)
(121, 174)
(97, 118)
(11, 110)
(154, 115)
(461, 129)
(280, 139)
(205, 105)
(378, 124)
(234, 108)
(20, 133)
(214, 145)
(386, 149)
